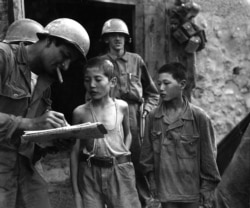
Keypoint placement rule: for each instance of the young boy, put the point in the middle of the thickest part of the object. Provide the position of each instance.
(178, 152)
(102, 171)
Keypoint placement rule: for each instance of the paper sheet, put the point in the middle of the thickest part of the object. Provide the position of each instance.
(79, 131)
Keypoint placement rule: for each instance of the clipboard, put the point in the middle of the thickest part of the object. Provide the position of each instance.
(79, 131)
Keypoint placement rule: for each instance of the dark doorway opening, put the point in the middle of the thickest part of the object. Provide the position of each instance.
(92, 15)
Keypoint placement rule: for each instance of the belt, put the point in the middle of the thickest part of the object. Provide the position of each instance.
(104, 162)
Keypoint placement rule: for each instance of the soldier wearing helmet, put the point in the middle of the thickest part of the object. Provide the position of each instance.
(134, 85)
(26, 73)
(23, 30)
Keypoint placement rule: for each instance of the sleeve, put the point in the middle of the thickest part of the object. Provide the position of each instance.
(150, 92)
(209, 174)
(8, 125)
(147, 154)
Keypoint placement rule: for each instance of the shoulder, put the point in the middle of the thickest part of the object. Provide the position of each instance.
(81, 108)
(199, 113)
(80, 113)
(121, 104)
(133, 55)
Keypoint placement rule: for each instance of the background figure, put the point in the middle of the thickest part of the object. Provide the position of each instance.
(135, 86)
(178, 152)
(23, 30)
(26, 73)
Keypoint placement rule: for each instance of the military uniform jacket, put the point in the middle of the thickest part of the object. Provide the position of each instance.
(16, 101)
(182, 154)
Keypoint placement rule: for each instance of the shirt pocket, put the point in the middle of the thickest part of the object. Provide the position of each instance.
(156, 141)
(187, 146)
(130, 87)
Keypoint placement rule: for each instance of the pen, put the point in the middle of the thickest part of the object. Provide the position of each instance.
(59, 75)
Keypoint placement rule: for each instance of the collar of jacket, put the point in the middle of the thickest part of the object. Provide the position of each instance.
(43, 82)
(124, 57)
(187, 115)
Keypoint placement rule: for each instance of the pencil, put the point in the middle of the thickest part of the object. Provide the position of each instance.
(59, 75)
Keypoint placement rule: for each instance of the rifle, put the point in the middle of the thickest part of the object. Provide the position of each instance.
(142, 121)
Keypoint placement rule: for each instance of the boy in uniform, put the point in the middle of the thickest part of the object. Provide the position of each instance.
(178, 153)
(101, 169)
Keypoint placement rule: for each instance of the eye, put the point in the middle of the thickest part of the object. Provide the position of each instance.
(86, 79)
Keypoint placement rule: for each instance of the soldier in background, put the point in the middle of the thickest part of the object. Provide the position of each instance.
(23, 30)
(135, 86)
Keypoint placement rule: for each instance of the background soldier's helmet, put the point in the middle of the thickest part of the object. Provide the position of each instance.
(23, 30)
(115, 26)
(71, 31)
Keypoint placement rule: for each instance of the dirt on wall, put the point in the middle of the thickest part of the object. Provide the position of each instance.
(223, 78)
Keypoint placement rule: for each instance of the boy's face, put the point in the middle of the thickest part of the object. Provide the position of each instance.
(169, 88)
(116, 41)
(96, 83)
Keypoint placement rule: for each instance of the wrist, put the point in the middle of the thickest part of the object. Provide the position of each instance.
(25, 124)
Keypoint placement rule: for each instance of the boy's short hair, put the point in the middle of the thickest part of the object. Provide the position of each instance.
(103, 64)
(176, 69)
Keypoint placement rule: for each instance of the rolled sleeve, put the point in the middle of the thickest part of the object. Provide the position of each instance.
(8, 125)
(150, 92)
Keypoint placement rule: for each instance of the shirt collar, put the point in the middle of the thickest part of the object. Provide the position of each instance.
(124, 57)
(187, 115)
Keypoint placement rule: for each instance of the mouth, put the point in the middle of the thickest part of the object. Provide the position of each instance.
(93, 93)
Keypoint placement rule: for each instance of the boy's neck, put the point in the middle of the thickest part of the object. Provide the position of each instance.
(175, 104)
(174, 109)
(102, 102)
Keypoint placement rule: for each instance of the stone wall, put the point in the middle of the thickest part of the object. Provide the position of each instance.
(223, 78)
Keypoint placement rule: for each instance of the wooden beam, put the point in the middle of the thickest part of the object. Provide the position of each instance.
(127, 2)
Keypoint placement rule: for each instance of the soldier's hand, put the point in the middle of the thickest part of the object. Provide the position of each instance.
(49, 120)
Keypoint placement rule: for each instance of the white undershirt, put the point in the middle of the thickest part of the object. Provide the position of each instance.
(33, 81)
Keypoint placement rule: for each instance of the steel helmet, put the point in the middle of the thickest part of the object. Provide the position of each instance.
(23, 30)
(69, 30)
(115, 26)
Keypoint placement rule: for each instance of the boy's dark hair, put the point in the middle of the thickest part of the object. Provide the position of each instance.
(176, 69)
(103, 64)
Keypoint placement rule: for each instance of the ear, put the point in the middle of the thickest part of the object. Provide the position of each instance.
(49, 41)
(105, 39)
(183, 84)
(113, 81)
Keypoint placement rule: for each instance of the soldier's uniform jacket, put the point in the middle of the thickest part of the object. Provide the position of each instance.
(16, 101)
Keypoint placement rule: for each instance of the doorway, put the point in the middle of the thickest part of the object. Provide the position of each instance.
(92, 15)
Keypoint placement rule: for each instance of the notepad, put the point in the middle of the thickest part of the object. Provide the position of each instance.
(79, 131)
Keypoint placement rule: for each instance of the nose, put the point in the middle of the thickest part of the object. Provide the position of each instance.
(161, 87)
(92, 84)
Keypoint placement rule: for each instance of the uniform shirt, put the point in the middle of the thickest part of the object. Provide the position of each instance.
(134, 81)
(16, 100)
(181, 154)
